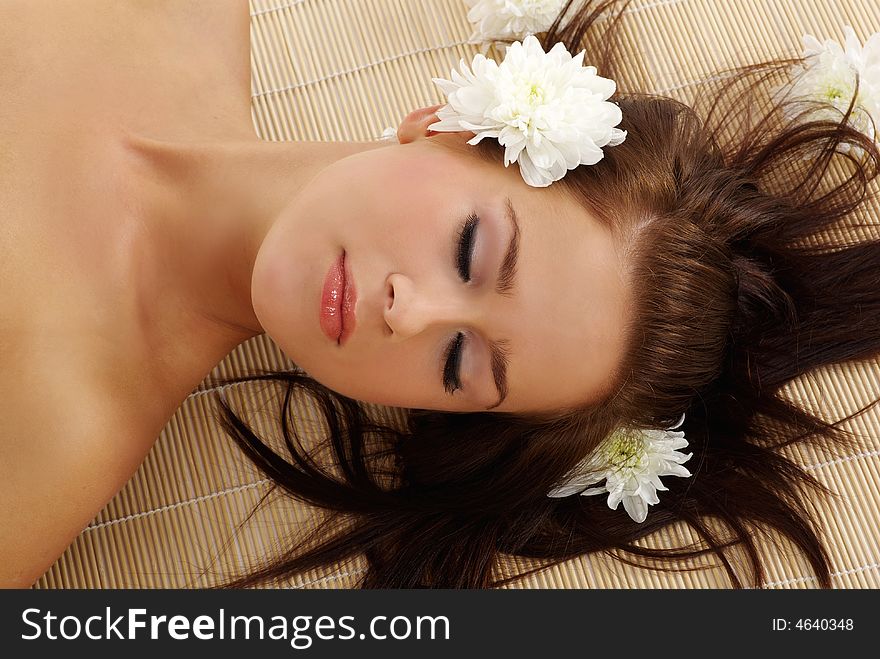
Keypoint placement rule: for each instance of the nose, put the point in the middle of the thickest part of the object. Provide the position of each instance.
(412, 308)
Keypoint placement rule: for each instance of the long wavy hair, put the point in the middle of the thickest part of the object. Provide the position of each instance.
(733, 297)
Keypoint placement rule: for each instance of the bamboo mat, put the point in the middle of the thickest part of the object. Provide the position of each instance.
(345, 69)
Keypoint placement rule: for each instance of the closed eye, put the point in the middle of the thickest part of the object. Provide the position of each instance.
(465, 251)
(466, 246)
(452, 367)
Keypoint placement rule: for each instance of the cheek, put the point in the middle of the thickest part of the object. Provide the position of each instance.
(409, 210)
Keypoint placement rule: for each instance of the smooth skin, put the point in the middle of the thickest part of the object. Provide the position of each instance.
(165, 239)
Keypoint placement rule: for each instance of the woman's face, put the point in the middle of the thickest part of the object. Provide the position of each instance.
(397, 213)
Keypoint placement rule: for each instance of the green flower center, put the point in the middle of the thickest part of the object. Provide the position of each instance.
(624, 450)
(536, 95)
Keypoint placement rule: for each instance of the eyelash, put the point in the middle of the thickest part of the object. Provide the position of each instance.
(465, 243)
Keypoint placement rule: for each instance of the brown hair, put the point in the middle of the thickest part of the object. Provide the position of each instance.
(732, 300)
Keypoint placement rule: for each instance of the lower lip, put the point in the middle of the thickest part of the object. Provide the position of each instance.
(337, 302)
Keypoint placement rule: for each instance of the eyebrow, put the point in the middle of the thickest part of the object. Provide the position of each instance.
(505, 284)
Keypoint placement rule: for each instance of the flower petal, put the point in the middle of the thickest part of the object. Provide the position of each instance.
(636, 508)
(614, 498)
(564, 490)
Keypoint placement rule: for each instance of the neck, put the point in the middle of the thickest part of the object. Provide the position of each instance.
(204, 210)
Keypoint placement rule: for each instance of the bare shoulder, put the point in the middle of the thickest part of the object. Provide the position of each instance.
(166, 64)
(66, 448)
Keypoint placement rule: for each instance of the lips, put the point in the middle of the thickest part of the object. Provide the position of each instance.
(338, 297)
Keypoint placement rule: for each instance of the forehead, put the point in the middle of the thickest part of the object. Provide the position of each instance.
(566, 321)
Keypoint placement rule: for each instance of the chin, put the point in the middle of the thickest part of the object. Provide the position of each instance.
(264, 288)
(279, 299)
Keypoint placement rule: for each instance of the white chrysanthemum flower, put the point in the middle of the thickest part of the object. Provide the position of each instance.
(828, 74)
(630, 462)
(547, 110)
(390, 133)
(510, 19)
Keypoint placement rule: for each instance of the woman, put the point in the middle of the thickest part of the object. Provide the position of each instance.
(687, 286)
(659, 282)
